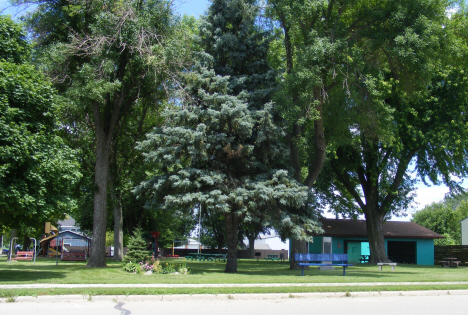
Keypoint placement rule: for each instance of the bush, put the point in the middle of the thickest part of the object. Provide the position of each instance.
(156, 267)
(168, 268)
(137, 248)
(132, 267)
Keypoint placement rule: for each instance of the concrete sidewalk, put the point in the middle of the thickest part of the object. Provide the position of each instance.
(223, 285)
(229, 297)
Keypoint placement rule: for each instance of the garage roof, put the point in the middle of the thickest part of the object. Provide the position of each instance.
(392, 229)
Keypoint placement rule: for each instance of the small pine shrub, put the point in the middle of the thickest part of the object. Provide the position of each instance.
(137, 248)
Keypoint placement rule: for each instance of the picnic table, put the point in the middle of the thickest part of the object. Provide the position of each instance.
(450, 262)
(205, 256)
(272, 257)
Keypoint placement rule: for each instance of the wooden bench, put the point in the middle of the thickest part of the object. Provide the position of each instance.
(455, 263)
(73, 256)
(333, 260)
(272, 257)
(387, 264)
(29, 255)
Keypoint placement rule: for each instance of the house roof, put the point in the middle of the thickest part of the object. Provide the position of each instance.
(391, 229)
(73, 235)
(69, 221)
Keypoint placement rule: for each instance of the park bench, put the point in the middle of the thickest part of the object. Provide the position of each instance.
(333, 260)
(380, 264)
(73, 256)
(272, 257)
(25, 255)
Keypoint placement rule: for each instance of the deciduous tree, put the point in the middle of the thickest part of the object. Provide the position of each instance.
(37, 170)
(331, 51)
(106, 57)
(404, 110)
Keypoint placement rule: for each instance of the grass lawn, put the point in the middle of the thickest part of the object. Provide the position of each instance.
(249, 271)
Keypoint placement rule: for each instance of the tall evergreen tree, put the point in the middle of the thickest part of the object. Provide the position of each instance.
(221, 149)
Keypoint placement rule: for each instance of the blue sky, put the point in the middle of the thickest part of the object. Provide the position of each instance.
(191, 7)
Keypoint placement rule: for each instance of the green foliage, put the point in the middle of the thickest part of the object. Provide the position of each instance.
(444, 218)
(156, 267)
(37, 170)
(369, 70)
(109, 238)
(214, 157)
(221, 148)
(112, 63)
(14, 47)
(170, 267)
(137, 251)
(132, 267)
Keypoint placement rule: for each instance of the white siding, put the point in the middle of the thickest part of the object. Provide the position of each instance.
(464, 231)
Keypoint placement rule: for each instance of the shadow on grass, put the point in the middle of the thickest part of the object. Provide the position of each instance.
(44, 269)
(29, 275)
(278, 269)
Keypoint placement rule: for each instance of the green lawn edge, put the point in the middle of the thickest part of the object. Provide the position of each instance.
(8, 293)
(50, 272)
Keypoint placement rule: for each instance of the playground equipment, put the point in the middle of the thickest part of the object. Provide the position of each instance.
(22, 255)
(173, 245)
(51, 232)
(73, 254)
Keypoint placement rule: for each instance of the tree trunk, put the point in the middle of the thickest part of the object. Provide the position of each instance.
(251, 250)
(26, 243)
(13, 233)
(118, 220)
(232, 226)
(118, 231)
(374, 222)
(297, 247)
(97, 257)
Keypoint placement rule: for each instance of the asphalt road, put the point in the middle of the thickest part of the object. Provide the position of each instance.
(394, 303)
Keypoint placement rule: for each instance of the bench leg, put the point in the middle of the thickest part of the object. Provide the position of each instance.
(344, 268)
(302, 271)
(380, 268)
(393, 268)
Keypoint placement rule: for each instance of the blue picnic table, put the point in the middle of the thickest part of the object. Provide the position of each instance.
(205, 256)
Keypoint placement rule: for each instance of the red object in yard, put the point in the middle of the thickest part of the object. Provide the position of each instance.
(155, 234)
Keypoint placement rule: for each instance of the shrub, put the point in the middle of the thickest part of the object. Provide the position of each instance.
(168, 268)
(137, 248)
(132, 267)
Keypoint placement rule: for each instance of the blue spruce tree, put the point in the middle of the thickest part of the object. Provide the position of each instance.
(220, 148)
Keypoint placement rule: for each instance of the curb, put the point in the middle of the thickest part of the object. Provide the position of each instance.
(261, 296)
(224, 285)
